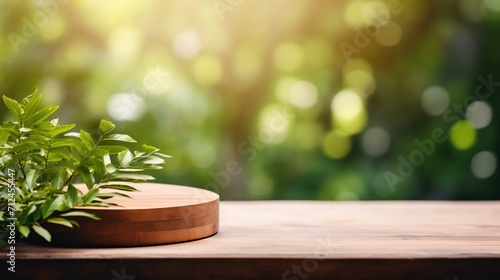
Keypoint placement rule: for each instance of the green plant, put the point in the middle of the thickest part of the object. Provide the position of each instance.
(40, 161)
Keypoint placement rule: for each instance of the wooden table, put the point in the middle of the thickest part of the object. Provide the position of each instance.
(300, 240)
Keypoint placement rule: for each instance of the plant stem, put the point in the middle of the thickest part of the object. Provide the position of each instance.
(5, 180)
(47, 158)
(22, 168)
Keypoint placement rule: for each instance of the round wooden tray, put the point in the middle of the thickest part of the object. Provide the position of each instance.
(157, 214)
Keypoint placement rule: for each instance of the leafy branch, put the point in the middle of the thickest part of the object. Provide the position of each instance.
(46, 160)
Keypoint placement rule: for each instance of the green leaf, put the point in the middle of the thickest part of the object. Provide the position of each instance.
(90, 196)
(112, 150)
(105, 127)
(80, 151)
(60, 221)
(162, 155)
(31, 103)
(29, 97)
(24, 230)
(26, 212)
(59, 154)
(4, 137)
(86, 139)
(14, 107)
(149, 149)
(57, 182)
(37, 159)
(111, 195)
(119, 187)
(87, 177)
(65, 142)
(75, 223)
(131, 169)
(120, 137)
(42, 232)
(52, 205)
(100, 167)
(132, 177)
(72, 196)
(81, 214)
(125, 157)
(110, 168)
(30, 181)
(40, 115)
(102, 204)
(98, 152)
(37, 214)
(56, 130)
(154, 160)
(72, 134)
(139, 166)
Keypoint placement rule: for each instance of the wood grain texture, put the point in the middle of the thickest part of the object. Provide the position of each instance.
(157, 214)
(307, 240)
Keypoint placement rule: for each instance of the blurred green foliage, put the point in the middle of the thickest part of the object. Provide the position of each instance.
(276, 99)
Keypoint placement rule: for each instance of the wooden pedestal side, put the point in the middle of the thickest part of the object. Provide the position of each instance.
(158, 214)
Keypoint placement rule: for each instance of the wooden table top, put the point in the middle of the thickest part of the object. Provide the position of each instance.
(303, 229)
(352, 240)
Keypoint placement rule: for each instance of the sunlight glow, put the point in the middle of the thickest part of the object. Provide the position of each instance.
(187, 44)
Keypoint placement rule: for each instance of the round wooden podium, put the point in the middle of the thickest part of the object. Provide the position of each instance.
(157, 214)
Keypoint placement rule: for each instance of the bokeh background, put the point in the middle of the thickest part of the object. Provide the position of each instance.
(276, 99)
